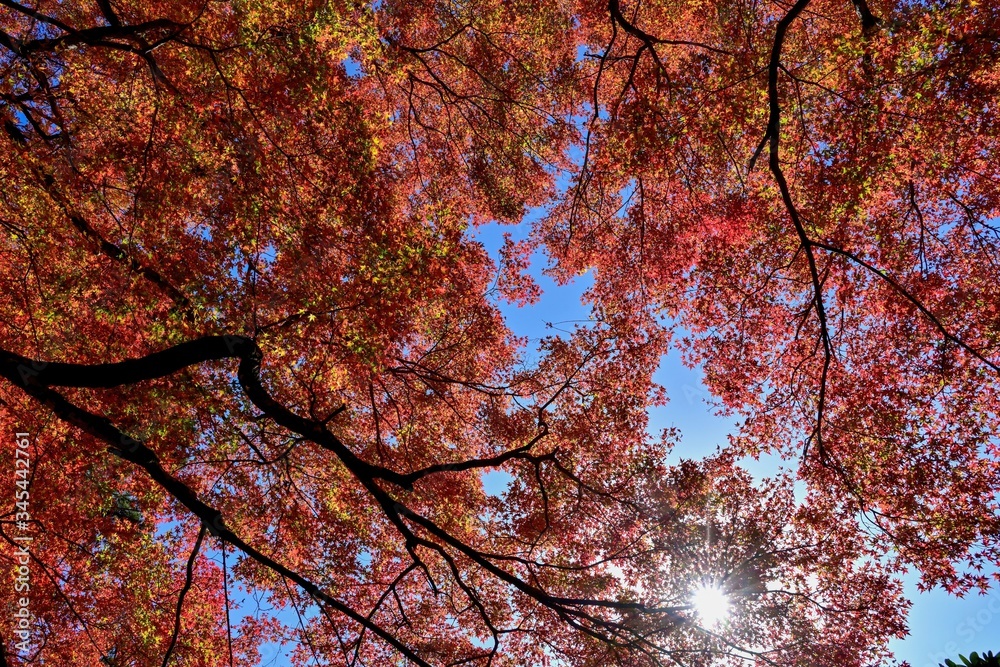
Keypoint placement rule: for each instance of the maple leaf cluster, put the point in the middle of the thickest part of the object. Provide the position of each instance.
(247, 323)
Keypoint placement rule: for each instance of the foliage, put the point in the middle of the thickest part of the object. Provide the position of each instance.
(260, 353)
(975, 660)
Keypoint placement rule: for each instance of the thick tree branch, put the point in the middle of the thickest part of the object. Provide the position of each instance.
(135, 452)
(38, 16)
(99, 35)
(868, 20)
(173, 359)
(773, 136)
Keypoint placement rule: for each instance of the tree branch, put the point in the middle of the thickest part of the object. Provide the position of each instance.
(188, 579)
(912, 299)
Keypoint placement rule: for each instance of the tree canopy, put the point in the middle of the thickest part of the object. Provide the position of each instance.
(259, 352)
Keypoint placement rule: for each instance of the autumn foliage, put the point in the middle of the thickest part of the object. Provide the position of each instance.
(247, 323)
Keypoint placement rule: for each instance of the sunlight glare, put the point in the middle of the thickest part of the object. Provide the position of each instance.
(711, 604)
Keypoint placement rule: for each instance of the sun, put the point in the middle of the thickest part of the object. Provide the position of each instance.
(711, 604)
